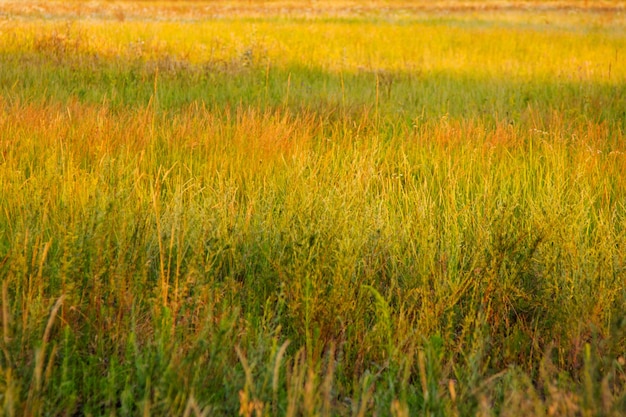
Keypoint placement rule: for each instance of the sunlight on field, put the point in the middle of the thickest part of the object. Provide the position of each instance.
(313, 208)
(506, 44)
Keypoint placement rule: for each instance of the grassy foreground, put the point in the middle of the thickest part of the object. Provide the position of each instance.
(282, 209)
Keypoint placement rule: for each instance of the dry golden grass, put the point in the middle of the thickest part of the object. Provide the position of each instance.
(312, 208)
(185, 9)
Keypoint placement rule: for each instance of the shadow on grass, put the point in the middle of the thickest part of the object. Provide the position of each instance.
(396, 97)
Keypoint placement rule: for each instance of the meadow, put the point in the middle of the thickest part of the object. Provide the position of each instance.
(313, 208)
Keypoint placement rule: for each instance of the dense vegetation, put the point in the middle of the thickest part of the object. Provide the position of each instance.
(222, 209)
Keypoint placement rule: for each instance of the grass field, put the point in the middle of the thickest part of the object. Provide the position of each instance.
(313, 208)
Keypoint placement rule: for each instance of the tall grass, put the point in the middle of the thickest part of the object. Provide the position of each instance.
(276, 231)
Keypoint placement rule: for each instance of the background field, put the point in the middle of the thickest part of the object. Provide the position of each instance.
(313, 208)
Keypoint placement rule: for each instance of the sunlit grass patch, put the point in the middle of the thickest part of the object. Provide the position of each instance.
(352, 212)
